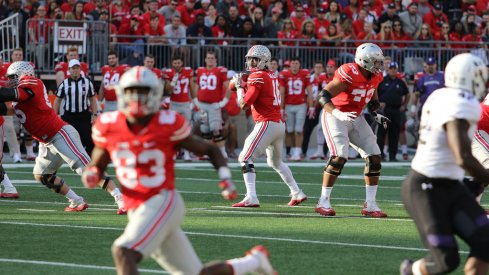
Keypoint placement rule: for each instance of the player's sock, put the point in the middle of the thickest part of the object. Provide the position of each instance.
(326, 193)
(223, 151)
(286, 175)
(250, 181)
(404, 149)
(416, 268)
(8, 184)
(115, 193)
(244, 265)
(386, 150)
(30, 150)
(371, 192)
(71, 195)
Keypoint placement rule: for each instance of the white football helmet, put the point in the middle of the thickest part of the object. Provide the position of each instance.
(139, 104)
(262, 53)
(468, 72)
(370, 57)
(17, 70)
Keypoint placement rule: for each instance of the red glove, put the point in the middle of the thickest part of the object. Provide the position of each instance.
(91, 177)
(228, 190)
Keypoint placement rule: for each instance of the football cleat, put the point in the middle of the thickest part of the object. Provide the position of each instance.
(261, 253)
(248, 202)
(122, 206)
(9, 195)
(297, 199)
(30, 157)
(405, 156)
(121, 211)
(16, 158)
(324, 208)
(371, 209)
(406, 267)
(77, 206)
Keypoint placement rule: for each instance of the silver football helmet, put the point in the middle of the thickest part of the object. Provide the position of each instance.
(262, 53)
(468, 72)
(370, 57)
(139, 104)
(17, 70)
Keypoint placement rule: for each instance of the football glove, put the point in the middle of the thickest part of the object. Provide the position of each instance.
(236, 80)
(228, 190)
(91, 177)
(344, 116)
(380, 119)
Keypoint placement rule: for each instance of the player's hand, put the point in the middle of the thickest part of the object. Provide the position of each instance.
(344, 116)
(196, 103)
(283, 113)
(236, 80)
(311, 113)
(223, 102)
(91, 177)
(382, 120)
(228, 190)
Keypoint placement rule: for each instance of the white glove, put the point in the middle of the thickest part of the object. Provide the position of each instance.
(237, 80)
(344, 116)
(311, 113)
(380, 119)
(223, 102)
(196, 103)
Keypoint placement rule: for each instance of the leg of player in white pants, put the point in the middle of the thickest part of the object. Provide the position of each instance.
(11, 138)
(9, 191)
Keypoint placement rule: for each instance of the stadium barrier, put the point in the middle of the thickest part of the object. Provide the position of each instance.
(9, 36)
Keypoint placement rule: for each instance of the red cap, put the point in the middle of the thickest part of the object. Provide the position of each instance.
(472, 7)
(331, 62)
(287, 63)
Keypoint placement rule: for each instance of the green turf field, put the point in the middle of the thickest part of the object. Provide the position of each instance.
(37, 237)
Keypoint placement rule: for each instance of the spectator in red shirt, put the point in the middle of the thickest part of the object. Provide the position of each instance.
(299, 17)
(352, 10)
(68, 6)
(220, 30)
(187, 12)
(246, 8)
(399, 34)
(320, 23)
(424, 37)
(134, 11)
(155, 31)
(435, 18)
(132, 29)
(385, 35)
(457, 34)
(359, 22)
(474, 38)
(288, 32)
(308, 33)
(153, 11)
(443, 36)
(367, 35)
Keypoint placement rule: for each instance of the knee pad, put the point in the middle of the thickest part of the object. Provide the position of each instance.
(336, 164)
(106, 182)
(372, 166)
(219, 135)
(444, 260)
(48, 181)
(248, 168)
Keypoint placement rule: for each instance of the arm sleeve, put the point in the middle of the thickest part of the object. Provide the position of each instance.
(254, 86)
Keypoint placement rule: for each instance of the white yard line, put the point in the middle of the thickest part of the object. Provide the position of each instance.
(388, 247)
(81, 266)
(36, 210)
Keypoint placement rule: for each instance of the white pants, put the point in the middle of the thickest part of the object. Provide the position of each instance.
(211, 117)
(296, 115)
(266, 137)
(154, 230)
(182, 108)
(480, 147)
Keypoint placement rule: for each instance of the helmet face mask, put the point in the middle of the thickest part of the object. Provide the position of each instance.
(139, 92)
(17, 70)
(261, 55)
(370, 57)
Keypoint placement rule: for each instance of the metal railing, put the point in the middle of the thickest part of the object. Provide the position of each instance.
(47, 42)
(9, 35)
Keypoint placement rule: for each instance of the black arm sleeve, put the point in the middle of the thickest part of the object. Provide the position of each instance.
(8, 94)
(3, 109)
(324, 97)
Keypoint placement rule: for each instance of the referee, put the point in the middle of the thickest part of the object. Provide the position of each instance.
(80, 104)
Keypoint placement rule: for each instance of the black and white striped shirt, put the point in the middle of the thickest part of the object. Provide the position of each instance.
(76, 94)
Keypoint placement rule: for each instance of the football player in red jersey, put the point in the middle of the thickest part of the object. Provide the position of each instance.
(261, 93)
(295, 90)
(9, 191)
(58, 141)
(212, 96)
(110, 77)
(62, 70)
(480, 144)
(343, 99)
(141, 141)
(179, 83)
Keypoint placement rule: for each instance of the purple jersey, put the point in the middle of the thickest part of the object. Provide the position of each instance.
(429, 83)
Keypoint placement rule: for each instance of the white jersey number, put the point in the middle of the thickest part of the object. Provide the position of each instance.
(110, 81)
(295, 86)
(126, 161)
(276, 92)
(208, 82)
(178, 88)
(361, 93)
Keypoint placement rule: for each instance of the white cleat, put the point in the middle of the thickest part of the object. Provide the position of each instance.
(122, 206)
(248, 201)
(16, 158)
(297, 199)
(371, 209)
(261, 253)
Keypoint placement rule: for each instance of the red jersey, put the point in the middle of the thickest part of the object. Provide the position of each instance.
(263, 95)
(36, 113)
(295, 86)
(483, 123)
(3, 77)
(157, 72)
(317, 84)
(182, 88)
(63, 67)
(210, 81)
(143, 161)
(359, 91)
(110, 77)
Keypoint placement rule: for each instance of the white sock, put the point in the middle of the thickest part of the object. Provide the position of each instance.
(386, 150)
(115, 193)
(371, 192)
(286, 175)
(223, 151)
(29, 150)
(244, 265)
(298, 151)
(72, 196)
(404, 148)
(7, 184)
(250, 182)
(416, 268)
(326, 193)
